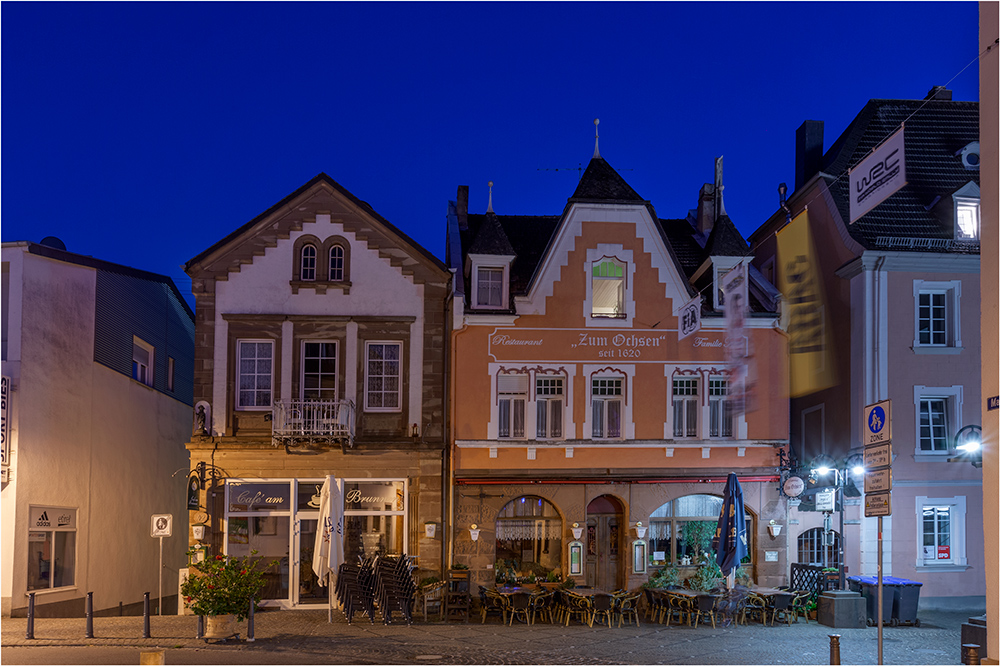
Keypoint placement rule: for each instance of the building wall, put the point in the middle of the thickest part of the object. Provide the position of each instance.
(87, 438)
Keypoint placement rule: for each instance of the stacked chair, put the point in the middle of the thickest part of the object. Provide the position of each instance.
(384, 582)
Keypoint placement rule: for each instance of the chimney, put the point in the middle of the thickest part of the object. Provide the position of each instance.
(939, 92)
(462, 203)
(808, 151)
(706, 208)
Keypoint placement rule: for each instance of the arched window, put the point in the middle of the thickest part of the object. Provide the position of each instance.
(811, 548)
(337, 263)
(529, 539)
(608, 299)
(681, 530)
(307, 270)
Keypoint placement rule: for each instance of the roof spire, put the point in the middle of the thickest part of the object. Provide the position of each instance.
(597, 152)
(720, 207)
(489, 207)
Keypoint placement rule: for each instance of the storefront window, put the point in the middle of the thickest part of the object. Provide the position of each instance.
(681, 530)
(374, 518)
(51, 547)
(269, 536)
(529, 540)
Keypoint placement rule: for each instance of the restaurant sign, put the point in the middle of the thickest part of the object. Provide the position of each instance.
(598, 344)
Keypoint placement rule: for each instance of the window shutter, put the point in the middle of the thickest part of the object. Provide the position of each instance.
(509, 383)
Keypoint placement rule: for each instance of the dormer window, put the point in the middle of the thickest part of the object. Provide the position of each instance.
(489, 287)
(966, 219)
(608, 281)
(307, 267)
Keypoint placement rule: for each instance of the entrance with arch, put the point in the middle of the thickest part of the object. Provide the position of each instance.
(606, 530)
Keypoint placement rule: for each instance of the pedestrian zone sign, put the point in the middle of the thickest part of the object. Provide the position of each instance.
(878, 424)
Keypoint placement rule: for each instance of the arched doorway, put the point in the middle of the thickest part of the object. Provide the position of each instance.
(605, 534)
(529, 540)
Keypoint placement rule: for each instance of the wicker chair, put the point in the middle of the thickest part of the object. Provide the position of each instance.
(601, 606)
(704, 607)
(542, 605)
(627, 606)
(519, 605)
(490, 601)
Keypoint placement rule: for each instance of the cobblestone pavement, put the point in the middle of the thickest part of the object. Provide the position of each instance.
(306, 637)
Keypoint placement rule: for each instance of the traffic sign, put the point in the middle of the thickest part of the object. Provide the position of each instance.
(878, 456)
(878, 504)
(878, 423)
(878, 480)
(161, 525)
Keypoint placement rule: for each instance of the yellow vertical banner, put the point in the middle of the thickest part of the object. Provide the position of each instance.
(801, 284)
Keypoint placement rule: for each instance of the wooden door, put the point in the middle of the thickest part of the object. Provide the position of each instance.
(603, 551)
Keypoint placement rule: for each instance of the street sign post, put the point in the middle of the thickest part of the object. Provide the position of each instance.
(161, 525)
(876, 435)
(878, 504)
(878, 423)
(878, 481)
(878, 456)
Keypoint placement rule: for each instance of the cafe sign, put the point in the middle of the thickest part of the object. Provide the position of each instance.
(258, 496)
(373, 496)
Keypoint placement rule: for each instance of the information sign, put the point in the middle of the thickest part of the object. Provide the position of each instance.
(878, 423)
(826, 500)
(878, 456)
(878, 504)
(878, 480)
(161, 525)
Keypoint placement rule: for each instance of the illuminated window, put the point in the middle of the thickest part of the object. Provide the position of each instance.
(608, 281)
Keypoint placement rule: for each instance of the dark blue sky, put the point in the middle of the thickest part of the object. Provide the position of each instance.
(144, 133)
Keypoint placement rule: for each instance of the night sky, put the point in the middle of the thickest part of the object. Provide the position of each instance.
(144, 133)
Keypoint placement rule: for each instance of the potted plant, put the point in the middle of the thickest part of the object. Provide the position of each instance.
(665, 578)
(707, 578)
(222, 589)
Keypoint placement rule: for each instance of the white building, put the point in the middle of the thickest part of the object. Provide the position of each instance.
(97, 362)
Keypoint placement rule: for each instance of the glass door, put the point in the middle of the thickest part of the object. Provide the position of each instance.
(308, 591)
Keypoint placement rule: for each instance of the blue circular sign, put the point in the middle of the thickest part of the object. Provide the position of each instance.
(876, 419)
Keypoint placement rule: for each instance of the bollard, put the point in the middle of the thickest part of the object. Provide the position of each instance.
(250, 638)
(970, 653)
(145, 615)
(90, 615)
(201, 627)
(834, 649)
(121, 610)
(30, 634)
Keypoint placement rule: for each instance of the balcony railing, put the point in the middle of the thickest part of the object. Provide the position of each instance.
(312, 422)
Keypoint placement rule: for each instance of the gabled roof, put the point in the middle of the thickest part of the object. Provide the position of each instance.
(491, 239)
(278, 221)
(528, 236)
(935, 130)
(601, 183)
(725, 240)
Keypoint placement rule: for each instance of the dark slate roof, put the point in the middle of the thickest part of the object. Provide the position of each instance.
(527, 237)
(491, 238)
(681, 236)
(725, 240)
(935, 132)
(600, 182)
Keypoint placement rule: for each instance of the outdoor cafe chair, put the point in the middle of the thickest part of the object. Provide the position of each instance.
(519, 605)
(627, 606)
(576, 605)
(730, 605)
(647, 594)
(755, 608)
(542, 606)
(800, 604)
(780, 603)
(601, 606)
(678, 606)
(704, 607)
(491, 601)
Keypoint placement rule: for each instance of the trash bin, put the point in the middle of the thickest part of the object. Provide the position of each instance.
(868, 587)
(905, 596)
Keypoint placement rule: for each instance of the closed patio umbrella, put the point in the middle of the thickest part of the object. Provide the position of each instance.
(730, 540)
(328, 549)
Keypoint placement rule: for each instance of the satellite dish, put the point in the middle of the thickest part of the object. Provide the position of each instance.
(52, 241)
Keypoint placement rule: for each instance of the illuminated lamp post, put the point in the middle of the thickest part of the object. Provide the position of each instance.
(852, 465)
(969, 443)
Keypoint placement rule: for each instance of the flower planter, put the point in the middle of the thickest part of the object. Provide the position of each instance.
(220, 626)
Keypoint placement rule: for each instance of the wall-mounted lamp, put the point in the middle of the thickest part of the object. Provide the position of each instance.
(198, 532)
(577, 531)
(774, 528)
(474, 532)
(414, 431)
(640, 531)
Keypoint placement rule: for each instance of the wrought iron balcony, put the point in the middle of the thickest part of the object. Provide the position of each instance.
(312, 422)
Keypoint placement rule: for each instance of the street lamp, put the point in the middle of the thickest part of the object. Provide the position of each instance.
(852, 466)
(969, 443)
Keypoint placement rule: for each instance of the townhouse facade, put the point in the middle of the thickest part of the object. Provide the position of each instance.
(887, 308)
(591, 439)
(96, 399)
(320, 351)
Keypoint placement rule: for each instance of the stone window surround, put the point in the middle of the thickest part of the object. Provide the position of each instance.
(322, 281)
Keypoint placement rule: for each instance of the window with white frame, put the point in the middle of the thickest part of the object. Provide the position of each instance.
(941, 531)
(685, 398)
(608, 294)
(307, 267)
(142, 361)
(319, 370)
(254, 363)
(383, 385)
(512, 393)
(549, 407)
(489, 286)
(606, 399)
(938, 410)
(966, 219)
(337, 263)
(936, 316)
(51, 547)
(720, 410)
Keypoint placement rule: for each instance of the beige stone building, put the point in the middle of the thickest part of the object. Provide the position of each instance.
(320, 349)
